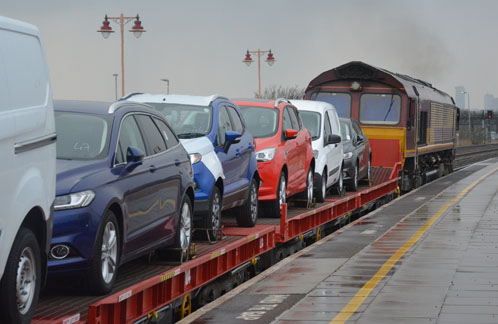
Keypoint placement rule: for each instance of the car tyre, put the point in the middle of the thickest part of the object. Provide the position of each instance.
(369, 170)
(275, 206)
(321, 191)
(339, 185)
(307, 193)
(183, 238)
(212, 222)
(353, 183)
(247, 215)
(21, 279)
(106, 254)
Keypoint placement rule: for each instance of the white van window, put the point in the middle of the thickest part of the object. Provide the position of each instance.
(312, 121)
(25, 63)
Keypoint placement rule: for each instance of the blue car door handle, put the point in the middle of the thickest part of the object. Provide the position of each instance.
(152, 168)
(237, 152)
(249, 146)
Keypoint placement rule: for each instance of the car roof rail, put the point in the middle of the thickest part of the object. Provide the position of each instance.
(129, 95)
(125, 103)
(279, 100)
(215, 97)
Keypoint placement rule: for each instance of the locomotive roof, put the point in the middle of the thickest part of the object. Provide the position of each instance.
(357, 70)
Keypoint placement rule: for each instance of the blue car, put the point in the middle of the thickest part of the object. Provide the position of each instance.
(221, 150)
(124, 188)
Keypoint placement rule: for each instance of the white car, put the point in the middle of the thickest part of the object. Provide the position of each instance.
(27, 187)
(321, 120)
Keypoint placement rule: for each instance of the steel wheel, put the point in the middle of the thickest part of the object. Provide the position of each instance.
(26, 280)
(185, 226)
(253, 201)
(109, 252)
(216, 213)
(282, 196)
(309, 189)
(324, 185)
(341, 182)
(369, 170)
(356, 177)
(247, 214)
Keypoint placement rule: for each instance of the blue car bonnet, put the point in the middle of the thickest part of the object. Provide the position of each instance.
(71, 172)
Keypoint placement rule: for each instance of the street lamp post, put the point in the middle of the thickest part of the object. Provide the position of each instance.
(122, 20)
(115, 75)
(167, 84)
(468, 105)
(270, 59)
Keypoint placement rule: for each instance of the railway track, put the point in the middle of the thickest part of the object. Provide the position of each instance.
(466, 155)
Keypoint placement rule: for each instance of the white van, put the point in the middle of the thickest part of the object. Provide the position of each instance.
(321, 120)
(27, 172)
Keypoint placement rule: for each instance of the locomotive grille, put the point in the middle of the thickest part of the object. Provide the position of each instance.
(442, 123)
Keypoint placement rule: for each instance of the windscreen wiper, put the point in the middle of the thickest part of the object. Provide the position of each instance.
(390, 106)
(190, 135)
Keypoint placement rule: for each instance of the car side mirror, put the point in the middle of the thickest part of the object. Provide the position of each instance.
(134, 158)
(290, 133)
(359, 139)
(333, 139)
(231, 137)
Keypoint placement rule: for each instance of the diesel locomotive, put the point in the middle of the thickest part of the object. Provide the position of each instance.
(397, 107)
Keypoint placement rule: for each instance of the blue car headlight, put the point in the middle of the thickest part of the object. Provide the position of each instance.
(74, 200)
(195, 157)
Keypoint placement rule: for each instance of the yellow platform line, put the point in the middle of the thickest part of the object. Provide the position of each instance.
(365, 291)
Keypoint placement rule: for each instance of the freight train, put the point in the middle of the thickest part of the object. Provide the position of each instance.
(395, 106)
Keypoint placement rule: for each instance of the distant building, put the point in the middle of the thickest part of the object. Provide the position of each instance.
(460, 97)
(490, 102)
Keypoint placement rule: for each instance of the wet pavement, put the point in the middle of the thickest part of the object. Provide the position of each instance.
(427, 257)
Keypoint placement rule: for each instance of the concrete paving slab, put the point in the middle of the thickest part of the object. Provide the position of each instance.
(310, 317)
(470, 301)
(333, 300)
(467, 318)
(299, 322)
(470, 309)
(378, 319)
(298, 277)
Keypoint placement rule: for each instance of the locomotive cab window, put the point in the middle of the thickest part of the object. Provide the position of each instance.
(340, 101)
(377, 108)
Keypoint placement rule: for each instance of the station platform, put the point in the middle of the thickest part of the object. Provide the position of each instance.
(430, 256)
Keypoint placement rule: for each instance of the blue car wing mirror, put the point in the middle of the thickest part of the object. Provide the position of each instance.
(134, 158)
(231, 137)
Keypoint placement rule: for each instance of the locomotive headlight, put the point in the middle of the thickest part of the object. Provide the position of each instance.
(265, 155)
(348, 155)
(355, 86)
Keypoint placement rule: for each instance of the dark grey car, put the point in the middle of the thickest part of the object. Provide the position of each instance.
(357, 154)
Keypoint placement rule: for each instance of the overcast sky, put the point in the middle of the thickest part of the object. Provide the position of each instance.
(199, 44)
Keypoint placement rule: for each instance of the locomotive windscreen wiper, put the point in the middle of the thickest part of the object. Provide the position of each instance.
(390, 106)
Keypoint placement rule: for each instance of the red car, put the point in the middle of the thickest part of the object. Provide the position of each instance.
(283, 151)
